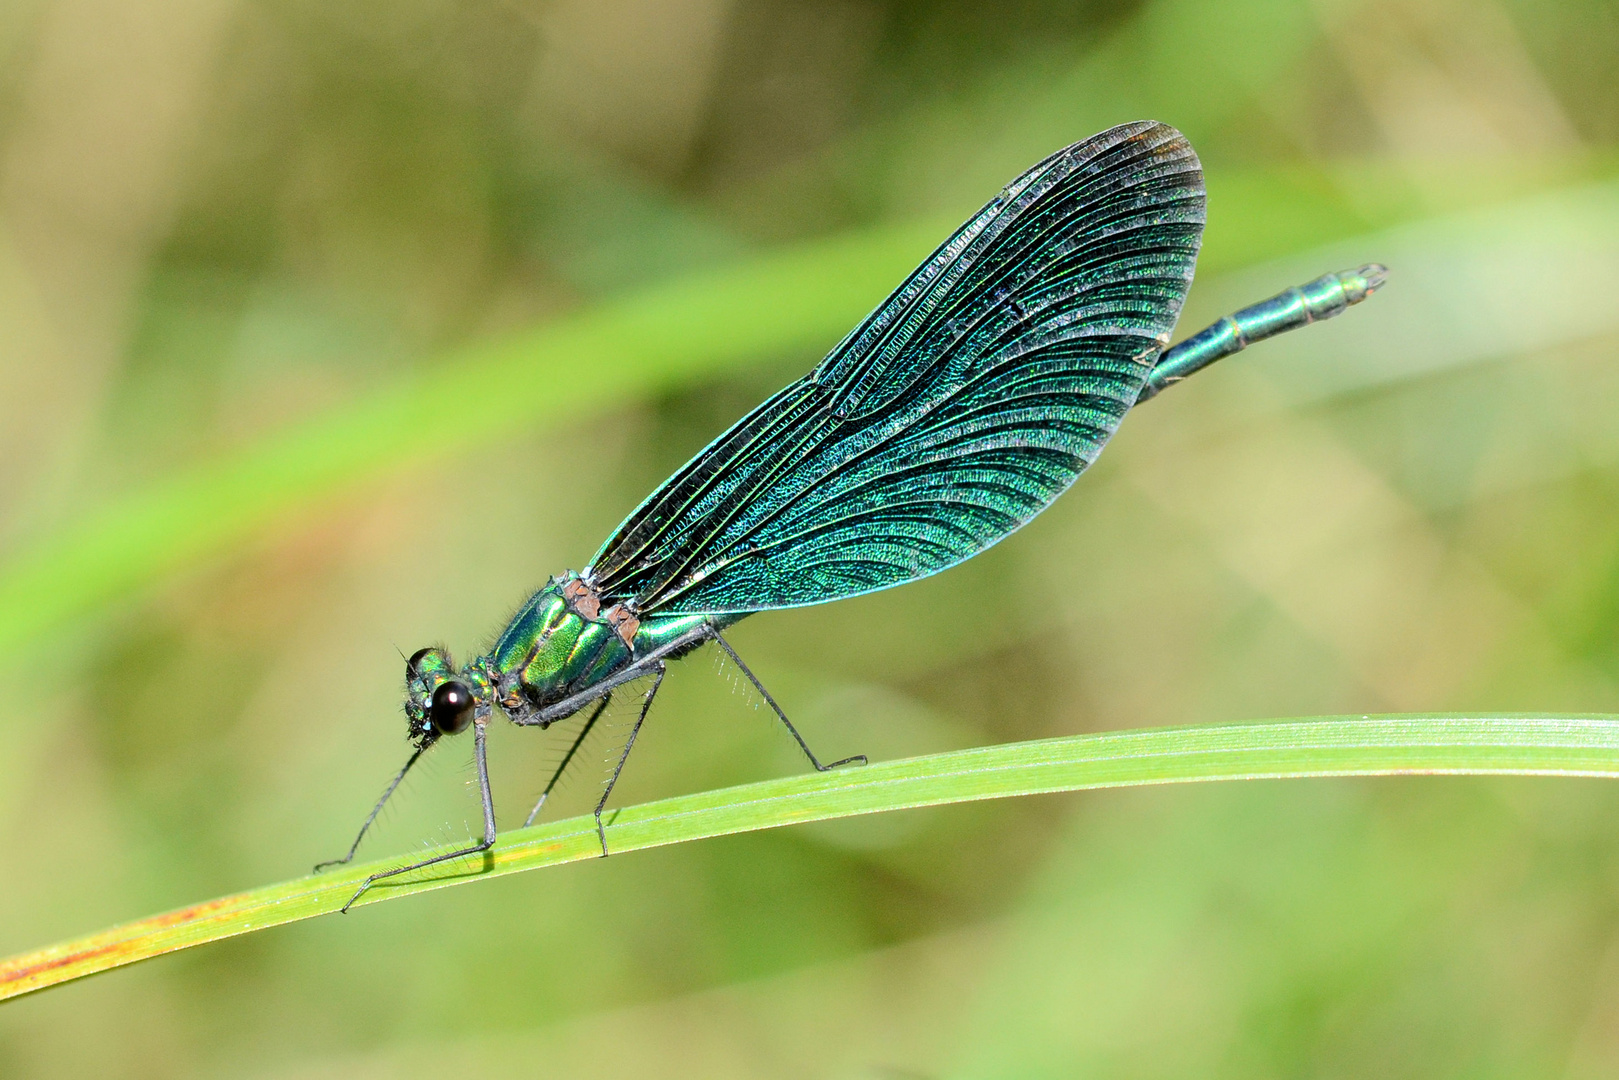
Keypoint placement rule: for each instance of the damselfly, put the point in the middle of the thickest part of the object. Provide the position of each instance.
(957, 411)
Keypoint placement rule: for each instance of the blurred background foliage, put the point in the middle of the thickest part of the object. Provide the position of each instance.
(222, 221)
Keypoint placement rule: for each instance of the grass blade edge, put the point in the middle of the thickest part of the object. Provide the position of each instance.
(1560, 745)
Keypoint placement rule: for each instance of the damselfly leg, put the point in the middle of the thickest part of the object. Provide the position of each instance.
(567, 759)
(481, 755)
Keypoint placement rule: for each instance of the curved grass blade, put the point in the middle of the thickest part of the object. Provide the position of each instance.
(799, 298)
(795, 300)
(1570, 745)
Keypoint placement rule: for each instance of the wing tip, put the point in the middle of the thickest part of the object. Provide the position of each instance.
(1160, 149)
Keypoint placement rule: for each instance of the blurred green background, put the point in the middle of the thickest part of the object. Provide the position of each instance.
(227, 225)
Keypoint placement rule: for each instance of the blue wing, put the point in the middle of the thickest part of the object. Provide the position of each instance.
(960, 408)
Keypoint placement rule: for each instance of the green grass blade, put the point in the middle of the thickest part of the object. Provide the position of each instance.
(800, 299)
(1332, 746)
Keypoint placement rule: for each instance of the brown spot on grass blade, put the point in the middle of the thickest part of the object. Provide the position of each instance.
(13, 974)
(196, 911)
(122, 945)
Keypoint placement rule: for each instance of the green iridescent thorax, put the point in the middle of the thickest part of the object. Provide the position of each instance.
(555, 647)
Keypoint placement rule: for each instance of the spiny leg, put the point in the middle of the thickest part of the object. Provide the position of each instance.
(857, 759)
(488, 841)
(646, 703)
(567, 759)
(375, 810)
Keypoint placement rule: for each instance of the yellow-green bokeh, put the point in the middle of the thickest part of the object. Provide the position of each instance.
(222, 221)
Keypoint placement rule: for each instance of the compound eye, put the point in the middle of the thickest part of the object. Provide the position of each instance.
(415, 660)
(450, 711)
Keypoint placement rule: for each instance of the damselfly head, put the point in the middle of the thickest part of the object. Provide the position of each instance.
(437, 701)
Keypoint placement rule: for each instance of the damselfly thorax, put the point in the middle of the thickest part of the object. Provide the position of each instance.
(565, 647)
